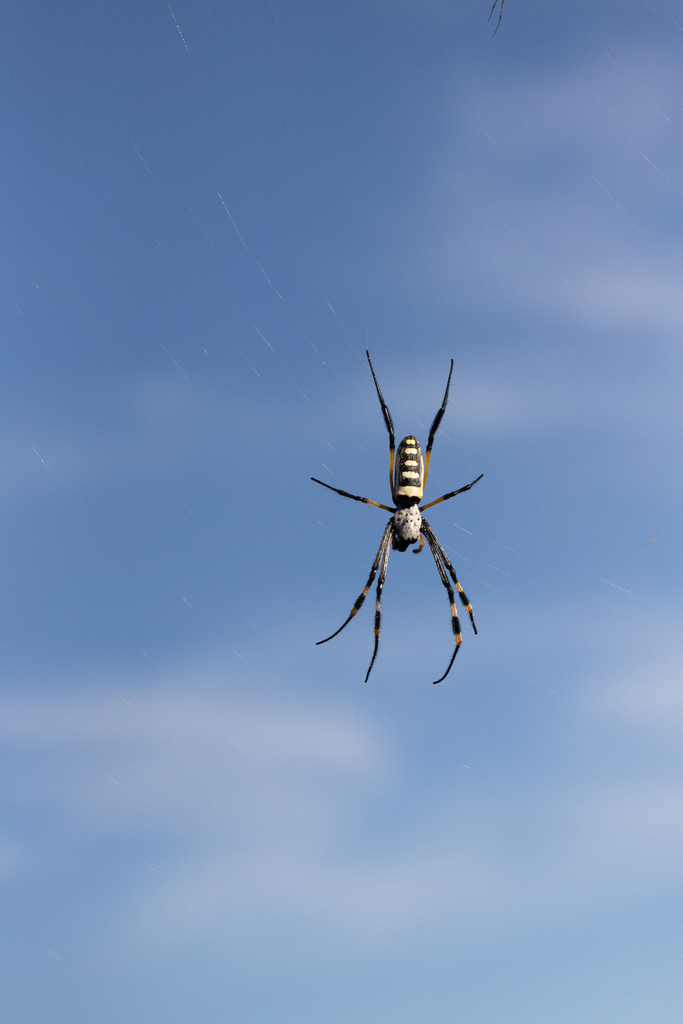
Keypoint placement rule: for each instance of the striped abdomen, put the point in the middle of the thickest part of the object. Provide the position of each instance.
(408, 473)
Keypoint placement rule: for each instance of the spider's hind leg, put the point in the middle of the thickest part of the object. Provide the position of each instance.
(389, 425)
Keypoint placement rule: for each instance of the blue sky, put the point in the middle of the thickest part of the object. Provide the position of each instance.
(210, 212)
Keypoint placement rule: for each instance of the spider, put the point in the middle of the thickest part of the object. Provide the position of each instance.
(407, 526)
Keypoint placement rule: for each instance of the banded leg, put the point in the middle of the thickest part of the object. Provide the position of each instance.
(378, 604)
(452, 494)
(390, 427)
(386, 537)
(455, 621)
(435, 425)
(446, 561)
(356, 497)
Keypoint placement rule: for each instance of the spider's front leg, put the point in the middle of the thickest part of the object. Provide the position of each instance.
(379, 559)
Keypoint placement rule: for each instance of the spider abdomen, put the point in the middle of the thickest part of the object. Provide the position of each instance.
(408, 523)
(408, 472)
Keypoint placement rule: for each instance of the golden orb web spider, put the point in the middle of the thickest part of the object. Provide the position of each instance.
(407, 479)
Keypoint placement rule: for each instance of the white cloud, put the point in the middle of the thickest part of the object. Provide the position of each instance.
(268, 809)
(649, 695)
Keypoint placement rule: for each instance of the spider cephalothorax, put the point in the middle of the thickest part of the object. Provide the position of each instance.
(407, 526)
(407, 477)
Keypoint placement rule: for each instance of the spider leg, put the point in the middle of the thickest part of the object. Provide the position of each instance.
(452, 494)
(390, 427)
(435, 425)
(500, 15)
(429, 533)
(373, 572)
(416, 551)
(356, 497)
(455, 621)
(378, 603)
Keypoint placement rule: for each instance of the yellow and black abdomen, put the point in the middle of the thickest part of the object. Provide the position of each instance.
(408, 473)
